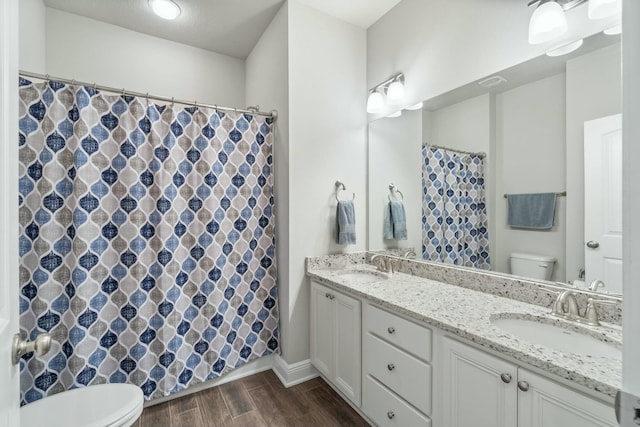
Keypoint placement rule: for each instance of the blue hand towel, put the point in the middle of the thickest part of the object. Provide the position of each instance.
(346, 223)
(395, 221)
(534, 211)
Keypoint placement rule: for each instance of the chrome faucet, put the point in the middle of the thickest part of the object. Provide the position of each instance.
(410, 252)
(593, 287)
(570, 312)
(384, 264)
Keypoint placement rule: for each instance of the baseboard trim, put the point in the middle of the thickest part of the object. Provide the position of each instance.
(295, 373)
(259, 365)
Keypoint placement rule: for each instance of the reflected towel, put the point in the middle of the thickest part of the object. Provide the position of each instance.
(346, 223)
(534, 211)
(395, 221)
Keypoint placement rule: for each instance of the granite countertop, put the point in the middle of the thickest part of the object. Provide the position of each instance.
(467, 313)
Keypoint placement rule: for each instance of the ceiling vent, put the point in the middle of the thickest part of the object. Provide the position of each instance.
(492, 81)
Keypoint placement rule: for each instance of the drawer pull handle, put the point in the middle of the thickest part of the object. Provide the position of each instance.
(391, 366)
(506, 378)
(391, 329)
(391, 415)
(523, 385)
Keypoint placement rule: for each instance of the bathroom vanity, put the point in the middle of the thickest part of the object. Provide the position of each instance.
(410, 351)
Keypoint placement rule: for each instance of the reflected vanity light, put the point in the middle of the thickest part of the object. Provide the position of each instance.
(393, 88)
(417, 106)
(600, 9)
(548, 22)
(613, 31)
(166, 9)
(565, 49)
(396, 114)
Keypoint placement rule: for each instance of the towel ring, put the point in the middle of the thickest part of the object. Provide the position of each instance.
(394, 189)
(340, 187)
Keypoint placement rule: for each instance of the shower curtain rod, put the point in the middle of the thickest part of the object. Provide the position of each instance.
(426, 144)
(250, 110)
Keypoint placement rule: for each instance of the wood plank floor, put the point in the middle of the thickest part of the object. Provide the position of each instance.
(255, 401)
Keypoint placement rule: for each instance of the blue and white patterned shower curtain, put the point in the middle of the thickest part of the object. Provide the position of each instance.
(146, 240)
(454, 213)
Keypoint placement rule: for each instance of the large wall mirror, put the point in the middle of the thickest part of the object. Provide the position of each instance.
(550, 125)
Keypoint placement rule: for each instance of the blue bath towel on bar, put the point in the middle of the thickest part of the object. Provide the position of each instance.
(346, 223)
(534, 211)
(395, 221)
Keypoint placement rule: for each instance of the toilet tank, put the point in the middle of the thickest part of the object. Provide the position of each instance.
(532, 265)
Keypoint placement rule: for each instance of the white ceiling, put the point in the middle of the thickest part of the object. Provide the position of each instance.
(230, 27)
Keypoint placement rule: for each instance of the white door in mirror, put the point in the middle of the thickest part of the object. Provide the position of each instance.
(603, 201)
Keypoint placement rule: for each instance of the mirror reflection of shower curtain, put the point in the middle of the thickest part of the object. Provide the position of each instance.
(454, 213)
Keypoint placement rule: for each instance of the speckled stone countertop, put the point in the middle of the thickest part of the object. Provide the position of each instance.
(467, 313)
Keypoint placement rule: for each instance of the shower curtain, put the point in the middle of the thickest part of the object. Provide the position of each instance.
(146, 240)
(454, 214)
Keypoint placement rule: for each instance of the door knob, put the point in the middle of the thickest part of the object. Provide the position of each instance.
(40, 345)
(593, 244)
(506, 378)
(523, 385)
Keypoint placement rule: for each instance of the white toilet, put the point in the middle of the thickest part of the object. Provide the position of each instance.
(112, 405)
(532, 266)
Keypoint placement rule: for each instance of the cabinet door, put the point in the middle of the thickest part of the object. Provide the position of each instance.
(322, 330)
(478, 389)
(548, 404)
(348, 341)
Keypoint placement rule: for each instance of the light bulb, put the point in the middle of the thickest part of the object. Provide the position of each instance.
(600, 9)
(417, 106)
(375, 103)
(395, 93)
(565, 49)
(396, 114)
(548, 22)
(165, 9)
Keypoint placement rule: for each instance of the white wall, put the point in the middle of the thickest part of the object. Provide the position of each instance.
(33, 36)
(443, 44)
(394, 157)
(631, 199)
(327, 141)
(267, 85)
(92, 51)
(530, 158)
(593, 91)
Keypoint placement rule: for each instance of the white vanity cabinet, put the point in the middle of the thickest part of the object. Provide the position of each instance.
(485, 391)
(336, 339)
(396, 369)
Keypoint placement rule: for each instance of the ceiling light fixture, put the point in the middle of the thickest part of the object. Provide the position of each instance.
(548, 22)
(566, 48)
(393, 88)
(600, 9)
(166, 9)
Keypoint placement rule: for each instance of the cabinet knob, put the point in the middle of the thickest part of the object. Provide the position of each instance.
(391, 329)
(391, 415)
(523, 385)
(506, 378)
(391, 366)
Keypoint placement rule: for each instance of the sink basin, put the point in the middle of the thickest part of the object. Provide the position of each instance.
(564, 338)
(362, 276)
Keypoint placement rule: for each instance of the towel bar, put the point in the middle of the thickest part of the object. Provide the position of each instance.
(394, 189)
(339, 187)
(562, 194)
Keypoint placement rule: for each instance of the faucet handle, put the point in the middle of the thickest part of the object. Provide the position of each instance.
(591, 314)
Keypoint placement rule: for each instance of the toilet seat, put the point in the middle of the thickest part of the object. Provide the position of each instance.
(104, 405)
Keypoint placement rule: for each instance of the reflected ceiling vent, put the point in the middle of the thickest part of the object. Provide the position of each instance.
(492, 81)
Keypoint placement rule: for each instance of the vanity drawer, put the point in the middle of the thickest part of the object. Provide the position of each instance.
(407, 376)
(386, 409)
(399, 332)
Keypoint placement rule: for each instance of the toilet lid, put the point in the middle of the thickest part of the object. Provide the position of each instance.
(94, 406)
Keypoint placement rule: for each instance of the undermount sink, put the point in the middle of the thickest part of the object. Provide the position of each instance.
(363, 276)
(561, 337)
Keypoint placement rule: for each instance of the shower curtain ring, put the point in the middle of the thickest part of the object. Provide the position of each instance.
(95, 89)
(46, 78)
(123, 92)
(172, 102)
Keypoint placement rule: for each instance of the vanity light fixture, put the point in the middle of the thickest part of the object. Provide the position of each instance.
(393, 88)
(600, 9)
(396, 114)
(566, 48)
(166, 9)
(417, 106)
(548, 22)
